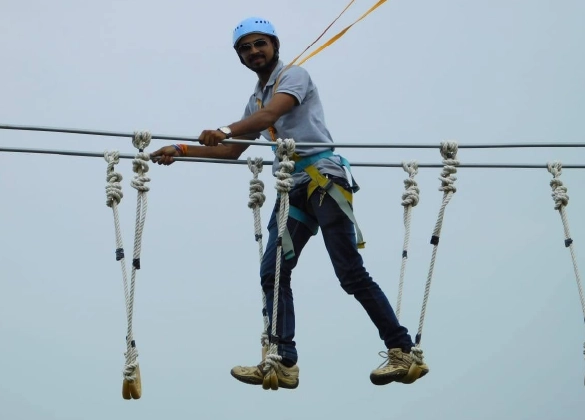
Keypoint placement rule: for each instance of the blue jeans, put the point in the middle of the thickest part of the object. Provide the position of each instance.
(340, 241)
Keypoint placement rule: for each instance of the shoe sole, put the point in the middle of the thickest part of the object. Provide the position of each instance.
(413, 374)
(386, 379)
(247, 380)
(257, 381)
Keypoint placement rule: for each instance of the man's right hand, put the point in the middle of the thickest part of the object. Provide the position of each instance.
(164, 155)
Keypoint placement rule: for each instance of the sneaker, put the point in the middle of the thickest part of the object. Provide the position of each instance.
(399, 367)
(286, 377)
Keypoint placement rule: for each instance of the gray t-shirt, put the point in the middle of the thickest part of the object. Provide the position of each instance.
(305, 123)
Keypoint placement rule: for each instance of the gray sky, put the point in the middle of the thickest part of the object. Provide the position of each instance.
(504, 333)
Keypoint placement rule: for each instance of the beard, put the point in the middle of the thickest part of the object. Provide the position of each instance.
(263, 68)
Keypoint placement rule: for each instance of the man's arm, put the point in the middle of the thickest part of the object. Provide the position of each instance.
(280, 104)
(260, 120)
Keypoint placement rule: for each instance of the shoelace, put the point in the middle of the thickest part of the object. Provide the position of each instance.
(384, 355)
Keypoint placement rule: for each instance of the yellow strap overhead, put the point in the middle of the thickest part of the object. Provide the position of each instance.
(330, 42)
(340, 34)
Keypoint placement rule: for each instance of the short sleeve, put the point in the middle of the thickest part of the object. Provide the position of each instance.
(296, 82)
(247, 113)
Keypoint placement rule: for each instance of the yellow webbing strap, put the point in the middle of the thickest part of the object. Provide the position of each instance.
(331, 41)
(342, 197)
(340, 34)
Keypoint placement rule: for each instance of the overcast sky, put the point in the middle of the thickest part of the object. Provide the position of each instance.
(504, 330)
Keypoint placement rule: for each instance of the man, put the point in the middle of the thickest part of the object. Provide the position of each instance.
(286, 104)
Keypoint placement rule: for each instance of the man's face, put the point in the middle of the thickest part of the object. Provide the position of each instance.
(256, 50)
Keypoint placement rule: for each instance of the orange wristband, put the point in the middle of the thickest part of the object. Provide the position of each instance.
(183, 148)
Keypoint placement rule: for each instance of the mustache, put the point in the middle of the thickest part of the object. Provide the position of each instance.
(255, 56)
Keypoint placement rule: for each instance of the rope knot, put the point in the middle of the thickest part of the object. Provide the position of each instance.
(410, 197)
(114, 187)
(559, 194)
(257, 197)
(141, 139)
(284, 148)
(284, 152)
(450, 162)
(140, 167)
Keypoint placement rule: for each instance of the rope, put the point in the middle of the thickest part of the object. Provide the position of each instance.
(539, 166)
(561, 199)
(410, 199)
(284, 183)
(114, 195)
(140, 167)
(447, 178)
(360, 145)
(257, 199)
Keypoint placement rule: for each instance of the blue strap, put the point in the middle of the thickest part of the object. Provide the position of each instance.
(304, 218)
(310, 160)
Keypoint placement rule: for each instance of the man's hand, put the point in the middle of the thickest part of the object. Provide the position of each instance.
(211, 137)
(164, 155)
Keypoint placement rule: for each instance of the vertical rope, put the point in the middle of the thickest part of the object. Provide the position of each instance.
(447, 178)
(561, 199)
(257, 199)
(410, 199)
(140, 167)
(284, 183)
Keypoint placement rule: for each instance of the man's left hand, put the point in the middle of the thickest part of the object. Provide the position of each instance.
(211, 137)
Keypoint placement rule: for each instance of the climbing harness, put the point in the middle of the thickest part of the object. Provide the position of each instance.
(561, 199)
(447, 178)
(132, 385)
(342, 197)
(410, 199)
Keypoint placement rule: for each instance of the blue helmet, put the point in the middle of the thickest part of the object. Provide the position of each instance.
(253, 25)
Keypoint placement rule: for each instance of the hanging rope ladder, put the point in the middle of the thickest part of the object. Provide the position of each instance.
(410, 199)
(257, 199)
(447, 178)
(561, 199)
(132, 385)
(284, 183)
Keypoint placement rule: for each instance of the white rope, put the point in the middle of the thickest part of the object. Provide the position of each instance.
(141, 140)
(410, 199)
(561, 199)
(447, 178)
(284, 182)
(257, 199)
(113, 196)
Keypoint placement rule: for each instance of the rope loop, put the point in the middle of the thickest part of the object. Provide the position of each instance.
(447, 178)
(130, 368)
(114, 187)
(410, 197)
(559, 194)
(417, 355)
(141, 139)
(271, 361)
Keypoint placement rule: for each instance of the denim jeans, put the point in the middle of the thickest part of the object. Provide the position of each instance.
(340, 241)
